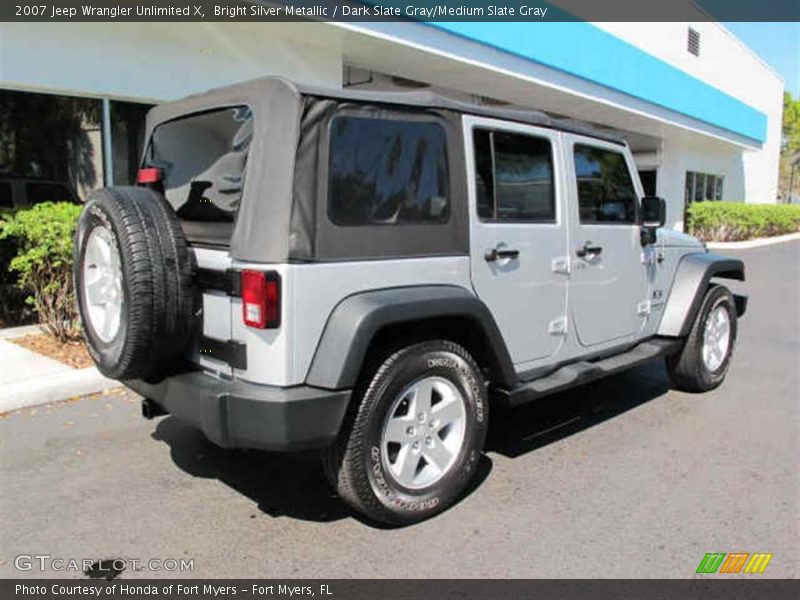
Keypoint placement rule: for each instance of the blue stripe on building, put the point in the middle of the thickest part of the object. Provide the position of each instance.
(585, 51)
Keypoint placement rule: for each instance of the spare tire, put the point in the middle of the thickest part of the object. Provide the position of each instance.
(133, 276)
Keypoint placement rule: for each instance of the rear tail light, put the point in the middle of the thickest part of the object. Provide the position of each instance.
(148, 175)
(261, 299)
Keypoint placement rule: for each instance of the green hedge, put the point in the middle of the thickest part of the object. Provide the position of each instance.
(41, 238)
(731, 221)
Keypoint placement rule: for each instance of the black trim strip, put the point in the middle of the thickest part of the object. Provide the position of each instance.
(229, 281)
(231, 352)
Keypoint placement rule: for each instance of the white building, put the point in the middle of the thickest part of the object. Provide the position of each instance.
(701, 111)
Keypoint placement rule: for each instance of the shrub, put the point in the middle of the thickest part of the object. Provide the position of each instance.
(730, 221)
(43, 236)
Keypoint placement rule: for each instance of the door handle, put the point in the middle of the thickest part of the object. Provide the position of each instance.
(500, 253)
(589, 250)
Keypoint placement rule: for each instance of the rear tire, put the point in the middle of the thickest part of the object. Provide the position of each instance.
(414, 436)
(703, 362)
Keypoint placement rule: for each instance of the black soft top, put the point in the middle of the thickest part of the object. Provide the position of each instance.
(281, 215)
(264, 87)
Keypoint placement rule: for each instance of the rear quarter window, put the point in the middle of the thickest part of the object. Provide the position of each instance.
(203, 159)
(387, 172)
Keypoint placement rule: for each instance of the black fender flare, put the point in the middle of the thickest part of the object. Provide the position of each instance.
(354, 322)
(692, 278)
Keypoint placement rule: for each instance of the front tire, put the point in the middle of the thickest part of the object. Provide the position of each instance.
(703, 362)
(415, 438)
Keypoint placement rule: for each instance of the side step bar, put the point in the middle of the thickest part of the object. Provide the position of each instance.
(579, 373)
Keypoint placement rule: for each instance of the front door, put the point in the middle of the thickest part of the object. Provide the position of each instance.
(518, 233)
(609, 283)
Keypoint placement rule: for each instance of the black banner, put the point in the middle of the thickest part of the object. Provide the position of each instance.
(400, 10)
(400, 589)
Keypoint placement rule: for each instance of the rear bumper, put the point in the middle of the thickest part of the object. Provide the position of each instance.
(237, 414)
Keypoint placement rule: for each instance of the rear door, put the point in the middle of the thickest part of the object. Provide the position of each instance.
(518, 233)
(609, 281)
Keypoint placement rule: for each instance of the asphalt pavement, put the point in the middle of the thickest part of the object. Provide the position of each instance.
(623, 478)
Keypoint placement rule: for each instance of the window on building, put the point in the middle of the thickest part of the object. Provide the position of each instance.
(127, 139)
(649, 178)
(51, 138)
(37, 192)
(693, 42)
(514, 177)
(387, 171)
(701, 187)
(6, 195)
(58, 140)
(718, 189)
(605, 188)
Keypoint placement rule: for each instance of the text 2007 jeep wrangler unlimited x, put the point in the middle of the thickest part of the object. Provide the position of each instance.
(365, 273)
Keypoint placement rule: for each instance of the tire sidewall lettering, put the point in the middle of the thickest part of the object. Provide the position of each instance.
(389, 494)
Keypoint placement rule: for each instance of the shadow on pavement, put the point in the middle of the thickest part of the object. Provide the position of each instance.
(514, 432)
(294, 485)
(280, 484)
(291, 485)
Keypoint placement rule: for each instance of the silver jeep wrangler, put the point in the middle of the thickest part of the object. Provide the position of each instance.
(366, 273)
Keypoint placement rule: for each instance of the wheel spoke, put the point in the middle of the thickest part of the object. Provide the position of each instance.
(396, 429)
(422, 397)
(94, 292)
(437, 454)
(722, 328)
(446, 412)
(105, 327)
(104, 251)
(405, 467)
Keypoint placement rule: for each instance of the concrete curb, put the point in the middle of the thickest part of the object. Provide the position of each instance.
(11, 333)
(759, 243)
(52, 388)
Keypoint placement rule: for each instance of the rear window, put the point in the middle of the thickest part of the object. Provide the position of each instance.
(387, 172)
(202, 158)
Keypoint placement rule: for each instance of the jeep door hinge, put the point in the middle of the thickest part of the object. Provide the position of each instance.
(643, 308)
(560, 265)
(558, 326)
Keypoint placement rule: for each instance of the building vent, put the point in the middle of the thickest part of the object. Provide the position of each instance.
(693, 44)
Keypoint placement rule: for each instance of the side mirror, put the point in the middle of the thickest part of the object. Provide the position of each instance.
(654, 212)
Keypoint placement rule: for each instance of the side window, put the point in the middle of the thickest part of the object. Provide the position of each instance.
(514, 177)
(605, 189)
(387, 172)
